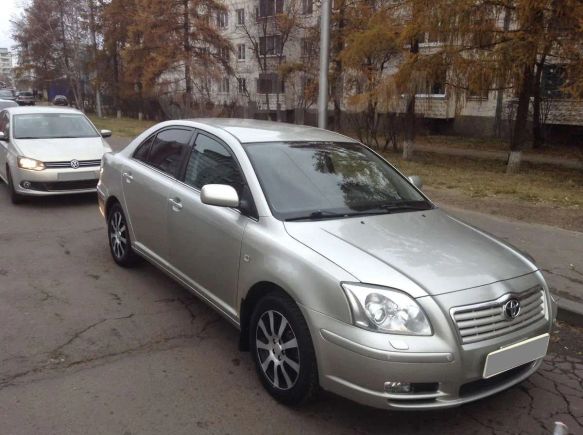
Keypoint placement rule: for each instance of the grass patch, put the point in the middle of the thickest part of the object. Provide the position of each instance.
(481, 178)
(493, 144)
(127, 127)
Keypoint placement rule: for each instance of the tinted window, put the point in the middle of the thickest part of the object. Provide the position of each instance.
(299, 179)
(211, 163)
(169, 149)
(142, 152)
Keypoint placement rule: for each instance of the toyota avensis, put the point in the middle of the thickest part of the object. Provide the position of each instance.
(337, 270)
(49, 151)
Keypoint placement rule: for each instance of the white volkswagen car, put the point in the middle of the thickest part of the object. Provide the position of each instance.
(49, 151)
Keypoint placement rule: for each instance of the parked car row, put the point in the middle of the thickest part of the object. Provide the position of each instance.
(337, 270)
(27, 98)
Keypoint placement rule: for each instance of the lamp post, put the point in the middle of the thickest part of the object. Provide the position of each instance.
(324, 63)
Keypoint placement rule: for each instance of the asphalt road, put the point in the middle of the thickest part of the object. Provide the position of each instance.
(87, 347)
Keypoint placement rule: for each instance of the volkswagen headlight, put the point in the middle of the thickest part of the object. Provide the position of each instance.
(32, 164)
(386, 310)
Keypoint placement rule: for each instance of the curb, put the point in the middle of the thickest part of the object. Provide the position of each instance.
(570, 312)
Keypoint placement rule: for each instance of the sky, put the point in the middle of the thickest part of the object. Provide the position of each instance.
(8, 10)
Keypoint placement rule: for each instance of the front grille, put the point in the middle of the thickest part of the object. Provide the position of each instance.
(82, 164)
(487, 320)
(56, 186)
(477, 387)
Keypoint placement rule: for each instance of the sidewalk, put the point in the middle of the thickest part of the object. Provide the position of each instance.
(500, 155)
(558, 252)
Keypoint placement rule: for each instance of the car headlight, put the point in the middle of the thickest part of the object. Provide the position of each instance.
(386, 310)
(32, 164)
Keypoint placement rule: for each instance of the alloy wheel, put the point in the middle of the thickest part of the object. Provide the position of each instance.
(277, 350)
(118, 234)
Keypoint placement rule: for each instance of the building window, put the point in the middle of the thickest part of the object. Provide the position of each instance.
(222, 19)
(269, 83)
(224, 85)
(240, 51)
(270, 45)
(307, 6)
(552, 81)
(224, 53)
(242, 85)
(478, 94)
(269, 8)
(307, 47)
(240, 17)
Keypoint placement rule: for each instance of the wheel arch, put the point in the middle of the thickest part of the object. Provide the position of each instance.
(109, 203)
(248, 303)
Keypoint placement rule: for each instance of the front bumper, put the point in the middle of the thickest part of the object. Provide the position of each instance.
(49, 182)
(356, 363)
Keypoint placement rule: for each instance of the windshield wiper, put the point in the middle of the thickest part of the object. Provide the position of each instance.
(320, 214)
(407, 205)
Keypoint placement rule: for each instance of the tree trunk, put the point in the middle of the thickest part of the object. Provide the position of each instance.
(519, 131)
(537, 127)
(409, 133)
(94, 53)
(338, 70)
(187, 57)
(500, 85)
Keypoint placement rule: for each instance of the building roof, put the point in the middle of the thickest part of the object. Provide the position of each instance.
(252, 130)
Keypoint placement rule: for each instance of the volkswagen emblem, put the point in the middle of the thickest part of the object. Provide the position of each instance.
(75, 164)
(511, 309)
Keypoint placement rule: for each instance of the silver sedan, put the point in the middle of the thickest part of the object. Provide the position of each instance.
(49, 151)
(337, 270)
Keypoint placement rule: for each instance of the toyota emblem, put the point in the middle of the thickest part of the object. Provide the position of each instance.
(511, 309)
(75, 164)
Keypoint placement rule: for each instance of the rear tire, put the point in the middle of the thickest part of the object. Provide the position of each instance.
(15, 197)
(281, 347)
(118, 235)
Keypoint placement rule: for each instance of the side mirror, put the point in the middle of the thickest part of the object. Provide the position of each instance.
(3, 136)
(416, 181)
(220, 195)
(105, 133)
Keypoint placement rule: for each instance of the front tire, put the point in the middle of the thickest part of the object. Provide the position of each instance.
(119, 237)
(281, 347)
(15, 197)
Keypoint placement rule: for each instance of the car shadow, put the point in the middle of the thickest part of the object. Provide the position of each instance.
(50, 201)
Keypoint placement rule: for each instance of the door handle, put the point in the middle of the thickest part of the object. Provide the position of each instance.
(176, 204)
(128, 177)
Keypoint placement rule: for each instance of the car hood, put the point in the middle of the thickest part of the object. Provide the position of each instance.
(63, 149)
(422, 252)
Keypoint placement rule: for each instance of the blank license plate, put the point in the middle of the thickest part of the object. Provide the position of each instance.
(516, 355)
(74, 176)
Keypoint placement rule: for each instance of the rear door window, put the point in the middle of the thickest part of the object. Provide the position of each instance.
(169, 149)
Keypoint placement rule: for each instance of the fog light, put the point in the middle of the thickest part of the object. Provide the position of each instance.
(397, 387)
(26, 184)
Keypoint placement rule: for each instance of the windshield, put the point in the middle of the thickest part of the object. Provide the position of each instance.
(322, 180)
(6, 94)
(52, 125)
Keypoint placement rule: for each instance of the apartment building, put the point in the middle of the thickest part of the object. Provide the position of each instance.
(260, 49)
(5, 65)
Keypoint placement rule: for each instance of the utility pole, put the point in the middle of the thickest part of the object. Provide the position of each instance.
(324, 62)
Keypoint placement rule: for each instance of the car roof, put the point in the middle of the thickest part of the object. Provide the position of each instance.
(40, 109)
(252, 131)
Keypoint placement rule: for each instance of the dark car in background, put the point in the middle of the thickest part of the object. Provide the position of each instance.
(7, 94)
(25, 98)
(60, 100)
